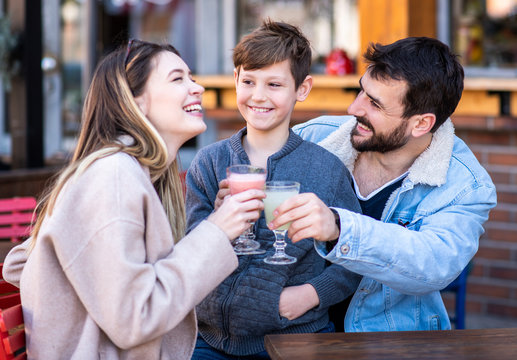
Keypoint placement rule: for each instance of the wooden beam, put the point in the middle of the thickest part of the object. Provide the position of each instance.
(386, 21)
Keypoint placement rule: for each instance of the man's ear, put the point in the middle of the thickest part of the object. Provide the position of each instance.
(423, 124)
(304, 89)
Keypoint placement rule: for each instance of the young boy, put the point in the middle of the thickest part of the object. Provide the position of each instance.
(271, 75)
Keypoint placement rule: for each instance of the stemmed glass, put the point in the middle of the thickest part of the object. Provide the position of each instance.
(276, 193)
(242, 178)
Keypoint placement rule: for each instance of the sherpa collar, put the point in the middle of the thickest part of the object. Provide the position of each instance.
(429, 168)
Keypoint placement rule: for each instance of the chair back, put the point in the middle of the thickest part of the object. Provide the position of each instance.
(459, 288)
(12, 331)
(16, 218)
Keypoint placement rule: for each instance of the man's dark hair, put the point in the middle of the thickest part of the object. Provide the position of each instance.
(433, 74)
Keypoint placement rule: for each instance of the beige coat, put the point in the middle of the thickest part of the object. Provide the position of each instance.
(105, 280)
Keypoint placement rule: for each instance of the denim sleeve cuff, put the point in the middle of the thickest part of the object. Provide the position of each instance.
(346, 247)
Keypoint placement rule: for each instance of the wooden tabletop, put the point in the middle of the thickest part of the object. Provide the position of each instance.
(500, 344)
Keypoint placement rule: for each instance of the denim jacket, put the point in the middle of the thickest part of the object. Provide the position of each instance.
(429, 231)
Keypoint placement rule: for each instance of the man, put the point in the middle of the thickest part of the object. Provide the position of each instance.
(423, 194)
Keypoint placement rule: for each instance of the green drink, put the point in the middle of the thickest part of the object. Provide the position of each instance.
(274, 198)
(276, 193)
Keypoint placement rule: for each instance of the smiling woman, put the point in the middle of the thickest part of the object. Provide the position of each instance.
(172, 102)
(110, 235)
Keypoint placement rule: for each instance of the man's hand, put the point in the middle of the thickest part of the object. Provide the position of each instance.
(310, 218)
(224, 190)
(297, 300)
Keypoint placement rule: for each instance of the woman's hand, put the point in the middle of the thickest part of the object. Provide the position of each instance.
(297, 300)
(235, 212)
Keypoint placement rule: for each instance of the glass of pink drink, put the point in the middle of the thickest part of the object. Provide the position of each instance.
(242, 178)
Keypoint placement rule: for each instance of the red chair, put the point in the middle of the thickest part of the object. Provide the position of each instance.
(12, 331)
(16, 217)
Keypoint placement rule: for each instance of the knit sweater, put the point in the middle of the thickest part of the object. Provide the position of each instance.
(245, 307)
(105, 279)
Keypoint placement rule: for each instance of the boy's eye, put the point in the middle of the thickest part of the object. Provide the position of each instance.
(179, 78)
(246, 82)
(274, 85)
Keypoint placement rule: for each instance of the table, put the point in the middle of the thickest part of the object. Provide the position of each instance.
(500, 344)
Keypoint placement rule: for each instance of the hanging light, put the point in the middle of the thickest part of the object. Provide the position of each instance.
(124, 6)
(122, 3)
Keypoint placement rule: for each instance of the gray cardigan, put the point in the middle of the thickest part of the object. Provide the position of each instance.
(238, 313)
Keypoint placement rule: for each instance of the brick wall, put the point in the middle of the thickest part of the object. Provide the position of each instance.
(492, 284)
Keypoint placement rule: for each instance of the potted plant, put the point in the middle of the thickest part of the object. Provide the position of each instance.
(8, 45)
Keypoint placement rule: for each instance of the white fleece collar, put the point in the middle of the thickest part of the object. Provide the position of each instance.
(429, 168)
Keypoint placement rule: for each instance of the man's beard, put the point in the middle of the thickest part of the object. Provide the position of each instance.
(380, 143)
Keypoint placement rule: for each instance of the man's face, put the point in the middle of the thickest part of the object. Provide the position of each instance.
(378, 109)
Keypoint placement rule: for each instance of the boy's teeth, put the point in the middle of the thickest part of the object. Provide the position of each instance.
(194, 107)
(260, 109)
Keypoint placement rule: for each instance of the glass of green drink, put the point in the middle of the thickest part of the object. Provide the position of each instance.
(276, 193)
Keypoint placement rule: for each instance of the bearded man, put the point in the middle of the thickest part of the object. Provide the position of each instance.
(423, 194)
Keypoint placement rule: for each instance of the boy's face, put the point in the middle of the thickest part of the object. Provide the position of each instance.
(266, 97)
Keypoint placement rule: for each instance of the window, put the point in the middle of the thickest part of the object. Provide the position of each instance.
(484, 34)
(328, 24)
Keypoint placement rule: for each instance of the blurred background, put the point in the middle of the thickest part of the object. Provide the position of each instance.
(49, 49)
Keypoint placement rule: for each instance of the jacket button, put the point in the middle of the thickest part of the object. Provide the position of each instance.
(345, 248)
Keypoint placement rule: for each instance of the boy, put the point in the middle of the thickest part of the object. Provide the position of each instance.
(271, 73)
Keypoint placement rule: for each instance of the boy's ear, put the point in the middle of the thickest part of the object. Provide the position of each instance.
(423, 124)
(236, 77)
(304, 89)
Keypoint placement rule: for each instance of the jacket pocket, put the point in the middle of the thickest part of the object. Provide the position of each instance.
(410, 223)
(435, 323)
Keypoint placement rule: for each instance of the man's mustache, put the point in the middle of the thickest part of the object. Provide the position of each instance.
(364, 121)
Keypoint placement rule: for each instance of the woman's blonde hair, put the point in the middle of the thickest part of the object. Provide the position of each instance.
(110, 111)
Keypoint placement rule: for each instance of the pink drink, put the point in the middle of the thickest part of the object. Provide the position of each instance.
(243, 182)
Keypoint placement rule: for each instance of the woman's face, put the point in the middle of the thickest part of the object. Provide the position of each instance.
(172, 101)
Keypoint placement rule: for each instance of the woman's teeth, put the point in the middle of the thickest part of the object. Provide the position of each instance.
(194, 107)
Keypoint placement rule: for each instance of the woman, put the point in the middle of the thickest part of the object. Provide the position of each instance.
(105, 276)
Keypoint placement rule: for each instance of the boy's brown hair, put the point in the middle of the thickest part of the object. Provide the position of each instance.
(271, 43)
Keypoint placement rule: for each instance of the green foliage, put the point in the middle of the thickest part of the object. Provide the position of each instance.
(8, 42)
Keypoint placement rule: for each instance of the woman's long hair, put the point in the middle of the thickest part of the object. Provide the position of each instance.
(110, 111)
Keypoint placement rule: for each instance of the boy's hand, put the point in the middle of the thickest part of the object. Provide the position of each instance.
(297, 300)
(224, 190)
(310, 218)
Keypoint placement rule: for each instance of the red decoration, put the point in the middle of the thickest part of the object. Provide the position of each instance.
(338, 63)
